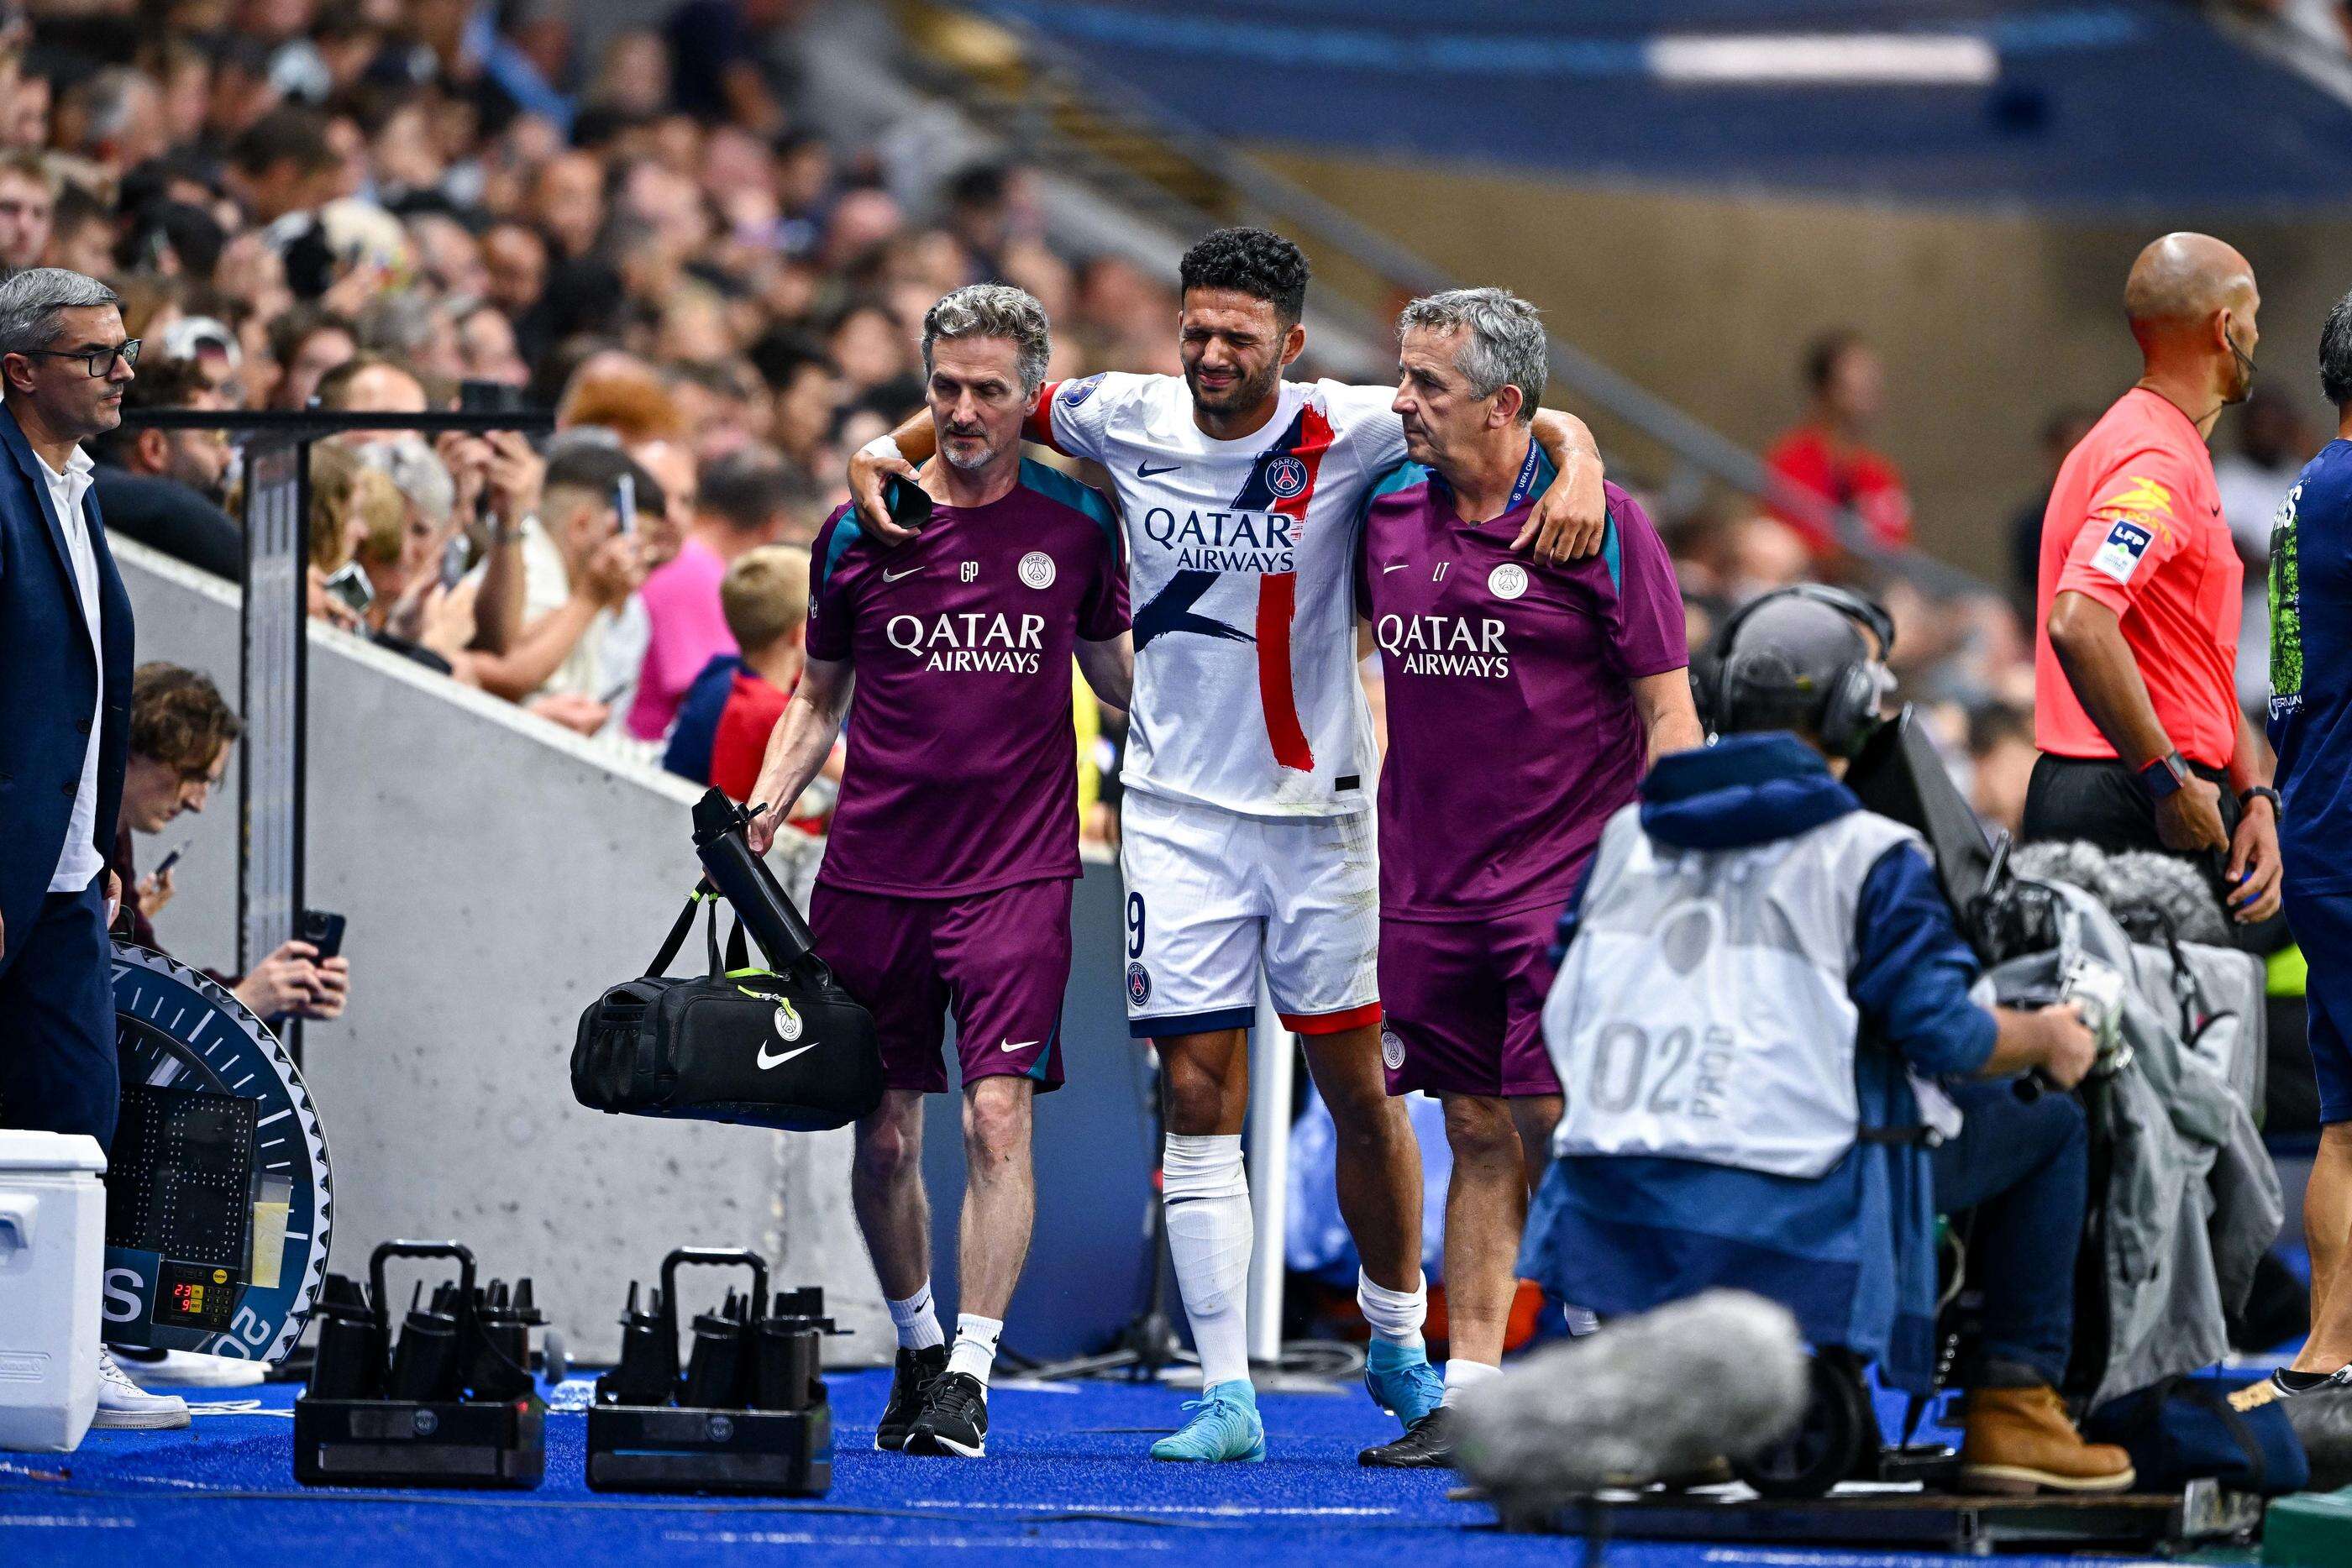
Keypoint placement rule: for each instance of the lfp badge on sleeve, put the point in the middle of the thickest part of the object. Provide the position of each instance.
(218, 1195)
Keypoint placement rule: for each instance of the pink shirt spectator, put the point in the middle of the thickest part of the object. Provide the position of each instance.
(682, 600)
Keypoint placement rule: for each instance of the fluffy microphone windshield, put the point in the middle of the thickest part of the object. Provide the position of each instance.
(1721, 1376)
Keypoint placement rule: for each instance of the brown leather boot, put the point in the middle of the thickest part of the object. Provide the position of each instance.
(2020, 1441)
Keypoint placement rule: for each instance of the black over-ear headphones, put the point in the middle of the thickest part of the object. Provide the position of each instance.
(1847, 713)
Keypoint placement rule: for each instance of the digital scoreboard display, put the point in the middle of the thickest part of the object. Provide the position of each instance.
(195, 1296)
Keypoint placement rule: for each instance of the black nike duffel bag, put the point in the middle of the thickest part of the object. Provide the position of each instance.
(785, 1047)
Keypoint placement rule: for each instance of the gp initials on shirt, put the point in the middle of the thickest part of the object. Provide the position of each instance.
(972, 642)
(1445, 645)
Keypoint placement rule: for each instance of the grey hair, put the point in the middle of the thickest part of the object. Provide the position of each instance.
(30, 302)
(417, 472)
(993, 311)
(1503, 344)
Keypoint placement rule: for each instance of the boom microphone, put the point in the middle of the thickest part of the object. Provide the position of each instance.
(1666, 1393)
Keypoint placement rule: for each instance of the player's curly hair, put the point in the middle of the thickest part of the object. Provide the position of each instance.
(1255, 262)
(178, 717)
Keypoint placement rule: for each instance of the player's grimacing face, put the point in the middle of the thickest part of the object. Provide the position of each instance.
(1233, 347)
(977, 400)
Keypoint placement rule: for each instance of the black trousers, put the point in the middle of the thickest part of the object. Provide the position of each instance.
(57, 1019)
(2100, 802)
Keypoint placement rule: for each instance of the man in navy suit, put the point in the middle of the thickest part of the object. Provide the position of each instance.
(65, 727)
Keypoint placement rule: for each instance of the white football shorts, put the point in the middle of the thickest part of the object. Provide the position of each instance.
(1214, 895)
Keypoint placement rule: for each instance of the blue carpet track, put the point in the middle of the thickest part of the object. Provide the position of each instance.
(1066, 1478)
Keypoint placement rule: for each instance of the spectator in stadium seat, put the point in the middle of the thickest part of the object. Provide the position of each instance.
(487, 347)
(82, 233)
(1829, 456)
(308, 341)
(740, 508)
(732, 707)
(282, 164)
(28, 199)
(162, 488)
(579, 583)
(368, 384)
(182, 731)
(808, 396)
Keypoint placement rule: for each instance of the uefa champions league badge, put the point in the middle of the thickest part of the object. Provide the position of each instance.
(1139, 984)
(1036, 569)
(1077, 392)
(1507, 581)
(1286, 476)
(1392, 1049)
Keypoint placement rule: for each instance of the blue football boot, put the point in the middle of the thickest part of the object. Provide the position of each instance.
(1227, 1428)
(1401, 1380)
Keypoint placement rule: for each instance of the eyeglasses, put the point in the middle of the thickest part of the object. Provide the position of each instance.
(99, 360)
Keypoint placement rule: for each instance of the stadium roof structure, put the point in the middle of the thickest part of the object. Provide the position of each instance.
(2100, 105)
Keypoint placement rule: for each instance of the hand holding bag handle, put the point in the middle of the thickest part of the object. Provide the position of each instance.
(746, 883)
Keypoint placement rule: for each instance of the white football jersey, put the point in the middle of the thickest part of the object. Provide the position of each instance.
(1241, 569)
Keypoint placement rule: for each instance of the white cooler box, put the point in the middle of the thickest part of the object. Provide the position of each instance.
(52, 1256)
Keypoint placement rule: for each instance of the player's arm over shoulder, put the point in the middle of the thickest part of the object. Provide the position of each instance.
(1072, 416)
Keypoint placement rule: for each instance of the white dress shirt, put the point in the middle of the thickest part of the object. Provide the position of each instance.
(80, 861)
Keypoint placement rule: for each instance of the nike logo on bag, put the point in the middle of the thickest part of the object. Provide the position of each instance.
(1013, 1045)
(767, 1061)
(1146, 471)
(889, 576)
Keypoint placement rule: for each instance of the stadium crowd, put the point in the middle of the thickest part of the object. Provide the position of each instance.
(372, 207)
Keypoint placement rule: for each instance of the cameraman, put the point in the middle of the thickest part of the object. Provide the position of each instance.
(1794, 963)
(181, 732)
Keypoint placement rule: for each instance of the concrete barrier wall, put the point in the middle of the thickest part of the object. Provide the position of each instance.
(497, 873)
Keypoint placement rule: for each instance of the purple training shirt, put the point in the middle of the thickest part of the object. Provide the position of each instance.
(1513, 735)
(962, 769)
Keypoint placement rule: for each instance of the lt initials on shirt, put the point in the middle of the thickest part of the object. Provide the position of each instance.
(1438, 573)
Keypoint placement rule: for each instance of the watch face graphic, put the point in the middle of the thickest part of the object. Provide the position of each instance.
(219, 1196)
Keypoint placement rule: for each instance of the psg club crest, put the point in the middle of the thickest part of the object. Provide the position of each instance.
(1037, 569)
(1507, 581)
(1392, 1049)
(1139, 984)
(1286, 476)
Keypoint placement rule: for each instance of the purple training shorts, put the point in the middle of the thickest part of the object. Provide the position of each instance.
(1464, 1002)
(1001, 959)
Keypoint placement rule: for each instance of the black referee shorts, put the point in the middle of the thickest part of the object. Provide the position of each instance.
(2099, 801)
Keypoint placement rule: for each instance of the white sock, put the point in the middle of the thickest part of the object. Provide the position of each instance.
(1462, 1374)
(1395, 1316)
(917, 1324)
(1209, 1234)
(975, 1347)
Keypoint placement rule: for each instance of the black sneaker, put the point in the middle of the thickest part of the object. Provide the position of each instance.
(1427, 1445)
(954, 1418)
(915, 1372)
(2288, 1385)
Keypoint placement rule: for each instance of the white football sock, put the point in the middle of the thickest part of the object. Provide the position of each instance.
(1395, 1316)
(975, 1347)
(1462, 1374)
(1209, 1234)
(917, 1324)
